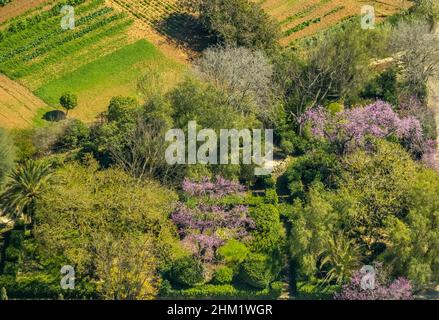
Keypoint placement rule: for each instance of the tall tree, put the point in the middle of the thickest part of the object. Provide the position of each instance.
(243, 75)
(237, 22)
(417, 51)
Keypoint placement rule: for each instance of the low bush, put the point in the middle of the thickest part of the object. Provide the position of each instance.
(187, 271)
(233, 252)
(256, 271)
(223, 275)
(271, 197)
(226, 291)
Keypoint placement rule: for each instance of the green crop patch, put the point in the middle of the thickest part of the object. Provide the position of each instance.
(114, 74)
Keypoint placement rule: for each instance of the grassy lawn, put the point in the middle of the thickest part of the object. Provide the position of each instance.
(114, 74)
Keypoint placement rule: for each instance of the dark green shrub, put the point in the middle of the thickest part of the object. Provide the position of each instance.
(187, 271)
(239, 23)
(276, 288)
(318, 166)
(268, 233)
(119, 108)
(293, 144)
(23, 141)
(269, 182)
(16, 238)
(383, 87)
(74, 136)
(223, 275)
(12, 254)
(10, 268)
(256, 271)
(165, 288)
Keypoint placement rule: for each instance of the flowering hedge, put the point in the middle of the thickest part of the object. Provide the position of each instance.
(204, 227)
(349, 128)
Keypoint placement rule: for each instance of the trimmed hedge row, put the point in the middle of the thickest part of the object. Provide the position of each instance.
(225, 291)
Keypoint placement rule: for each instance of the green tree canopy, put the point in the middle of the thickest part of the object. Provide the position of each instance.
(68, 101)
(113, 228)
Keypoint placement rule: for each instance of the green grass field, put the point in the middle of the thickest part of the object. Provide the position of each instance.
(115, 74)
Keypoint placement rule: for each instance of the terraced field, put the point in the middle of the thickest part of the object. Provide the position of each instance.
(37, 50)
(302, 18)
(152, 12)
(168, 19)
(99, 55)
(18, 105)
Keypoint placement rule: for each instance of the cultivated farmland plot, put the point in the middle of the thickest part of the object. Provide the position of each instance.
(302, 18)
(35, 49)
(96, 60)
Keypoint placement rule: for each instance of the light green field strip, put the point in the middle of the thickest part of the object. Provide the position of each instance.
(115, 74)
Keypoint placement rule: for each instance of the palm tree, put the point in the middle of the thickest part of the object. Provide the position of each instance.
(340, 259)
(25, 186)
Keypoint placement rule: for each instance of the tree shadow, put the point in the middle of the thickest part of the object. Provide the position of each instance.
(54, 115)
(186, 31)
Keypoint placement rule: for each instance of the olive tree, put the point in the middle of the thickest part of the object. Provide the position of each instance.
(236, 22)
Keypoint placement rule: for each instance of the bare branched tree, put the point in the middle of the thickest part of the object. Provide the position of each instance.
(143, 152)
(245, 76)
(416, 49)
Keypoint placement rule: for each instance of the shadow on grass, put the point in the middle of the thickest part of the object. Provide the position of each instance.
(54, 116)
(186, 31)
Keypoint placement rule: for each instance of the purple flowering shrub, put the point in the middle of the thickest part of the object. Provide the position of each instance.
(399, 289)
(218, 188)
(204, 227)
(350, 128)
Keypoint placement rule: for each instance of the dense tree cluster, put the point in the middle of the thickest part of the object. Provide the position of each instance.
(356, 182)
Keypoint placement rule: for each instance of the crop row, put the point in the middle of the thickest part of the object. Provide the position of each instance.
(70, 48)
(307, 10)
(44, 37)
(72, 36)
(307, 23)
(153, 12)
(42, 45)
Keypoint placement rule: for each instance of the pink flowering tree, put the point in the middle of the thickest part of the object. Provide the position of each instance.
(399, 289)
(350, 128)
(205, 226)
